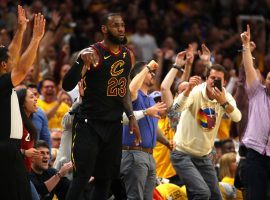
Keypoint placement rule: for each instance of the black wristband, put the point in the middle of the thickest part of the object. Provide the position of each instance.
(59, 175)
(178, 68)
(149, 68)
(225, 105)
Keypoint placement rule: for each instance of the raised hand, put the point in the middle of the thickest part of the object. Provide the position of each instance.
(252, 46)
(180, 59)
(245, 36)
(39, 26)
(154, 110)
(193, 81)
(190, 54)
(153, 65)
(90, 58)
(22, 20)
(134, 128)
(55, 19)
(205, 54)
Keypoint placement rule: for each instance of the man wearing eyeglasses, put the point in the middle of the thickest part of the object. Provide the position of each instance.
(138, 167)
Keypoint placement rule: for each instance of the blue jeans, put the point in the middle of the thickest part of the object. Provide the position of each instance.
(198, 174)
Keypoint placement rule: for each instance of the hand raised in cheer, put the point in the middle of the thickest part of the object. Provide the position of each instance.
(180, 59)
(22, 20)
(152, 65)
(245, 36)
(39, 26)
(205, 54)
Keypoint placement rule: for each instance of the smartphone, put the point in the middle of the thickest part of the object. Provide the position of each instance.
(217, 84)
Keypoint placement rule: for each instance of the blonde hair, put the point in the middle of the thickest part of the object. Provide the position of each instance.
(225, 161)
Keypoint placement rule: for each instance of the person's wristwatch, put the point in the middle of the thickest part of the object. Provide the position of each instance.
(59, 175)
(225, 105)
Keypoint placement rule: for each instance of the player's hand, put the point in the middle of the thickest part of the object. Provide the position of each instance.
(89, 57)
(134, 128)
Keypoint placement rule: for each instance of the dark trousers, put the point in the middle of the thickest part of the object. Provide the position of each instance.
(257, 169)
(96, 151)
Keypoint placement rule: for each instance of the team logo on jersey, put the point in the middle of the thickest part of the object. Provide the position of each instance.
(207, 118)
(124, 54)
(117, 68)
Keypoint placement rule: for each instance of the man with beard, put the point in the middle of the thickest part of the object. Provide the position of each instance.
(51, 103)
(96, 150)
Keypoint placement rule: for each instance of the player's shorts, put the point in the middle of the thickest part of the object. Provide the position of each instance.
(96, 148)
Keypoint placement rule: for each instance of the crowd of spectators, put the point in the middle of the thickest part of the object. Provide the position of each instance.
(156, 30)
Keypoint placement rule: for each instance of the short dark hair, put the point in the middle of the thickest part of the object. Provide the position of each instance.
(41, 143)
(31, 85)
(3, 54)
(105, 18)
(137, 69)
(47, 78)
(219, 68)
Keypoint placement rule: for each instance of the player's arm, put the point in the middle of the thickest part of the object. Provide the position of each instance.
(128, 108)
(87, 57)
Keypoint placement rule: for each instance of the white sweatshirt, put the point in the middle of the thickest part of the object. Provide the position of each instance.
(200, 120)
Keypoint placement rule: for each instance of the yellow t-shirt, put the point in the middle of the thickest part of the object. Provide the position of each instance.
(172, 191)
(161, 153)
(224, 128)
(55, 121)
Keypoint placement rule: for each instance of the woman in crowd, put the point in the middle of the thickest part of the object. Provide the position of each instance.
(28, 105)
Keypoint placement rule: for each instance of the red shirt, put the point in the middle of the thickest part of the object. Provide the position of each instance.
(27, 142)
